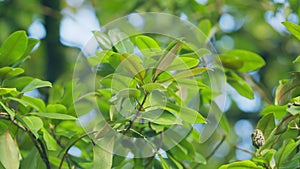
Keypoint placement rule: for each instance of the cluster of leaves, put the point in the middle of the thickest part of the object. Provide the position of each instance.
(139, 95)
(279, 124)
(27, 123)
(142, 93)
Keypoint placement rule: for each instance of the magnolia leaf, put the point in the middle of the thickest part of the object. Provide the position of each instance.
(287, 90)
(293, 28)
(13, 48)
(9, 151)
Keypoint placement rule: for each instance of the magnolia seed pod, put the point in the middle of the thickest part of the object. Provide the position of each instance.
(258, 139)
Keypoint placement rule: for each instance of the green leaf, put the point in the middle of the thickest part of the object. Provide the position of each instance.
(159, 116)
(18, 82)
(293, 28)
(244, 61)
(30, 45)
(49, 140)
(36, 83)
(8, 110)
(34, 124)
(103, 157)
(231, 62)
(8, 72)
(297, 60)
(190, 73)
(294, 110)
(146, 43)
(57, 116)
(287, 90)
(9, 151)
(56, 108)
(205, 26)
(183, 63)
(129, 92)
(100, 57)
(35, 103)
(186, 114)
(104, 69)
(168, 58)
(285, 151)
(102, 40)
(13, 48)
(278, 111)
(4, 91)
(133, 65)
(240, 85)
(247, 164)
(33, 160)
(266, 124)
(149, 87)
(121, 41)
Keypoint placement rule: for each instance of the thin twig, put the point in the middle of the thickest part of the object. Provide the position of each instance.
(244, 150)
(72, 144)
(216, 148)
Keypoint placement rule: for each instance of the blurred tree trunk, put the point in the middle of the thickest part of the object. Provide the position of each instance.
(55, 59)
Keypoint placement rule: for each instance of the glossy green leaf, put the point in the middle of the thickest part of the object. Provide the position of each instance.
(186, 114)
(133, 65)
(13, 48)
(240, 85)
(103, 155)
(205, 26)
(9, 151)
(8, 72)
(294, 110)
(36, 83)
(266, 124)
(167, 59)
(33, 160)
(160, 117)
(49, 140)
(278, 111)
(231, 62)
(4, 91)
(246, 164)
(244, 61)
(121, 41)
(56, 108)
(100, 57)
(285, 151)
(287, 90)
(103, 40)
(146, 43)
(35, 103)
(17, 82)
(183, 63)
(297, 60)
(129, 92)
(149, 87)
(34, 124)
(284, 123)
(104, 69)
(30, 45)
(293, 28)
(190, 73)
(54, 116)
(8, 110)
